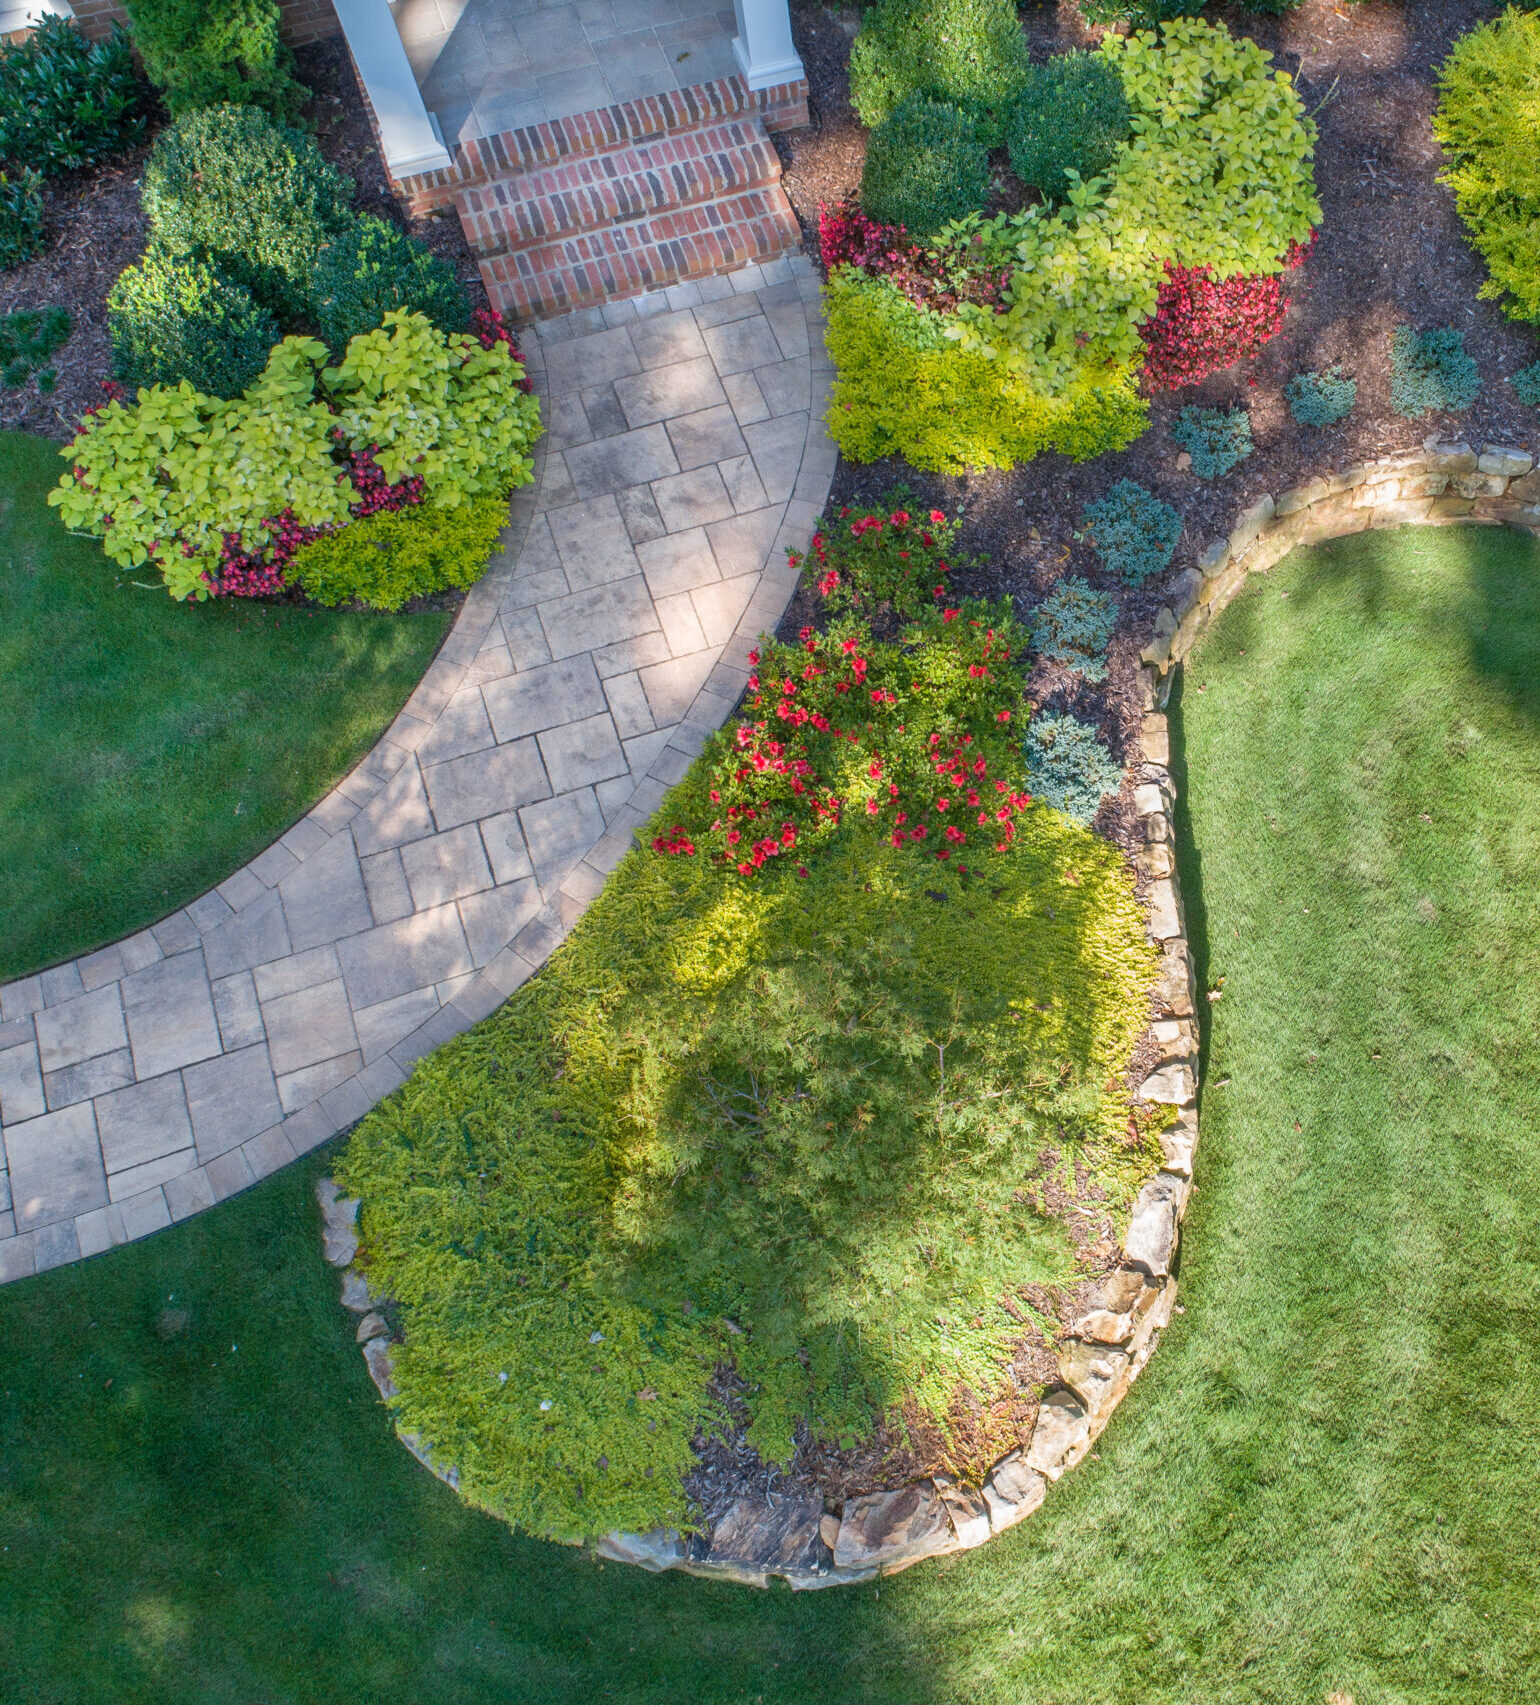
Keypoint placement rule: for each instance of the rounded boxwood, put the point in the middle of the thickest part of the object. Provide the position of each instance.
(172, 318)
(1069, 117)
(371, 267)
(924, 167)
(970, 53)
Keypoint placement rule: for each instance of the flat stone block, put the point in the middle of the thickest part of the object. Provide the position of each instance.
(325, 898)
(410, 954)
(385, 884)
(55, 1246)
(671, 687)
(56, 1167)
(21, 1085)
(591, 360)
(89, 1025)
(486, 783)
(559, 831)
(62, 983)
(542, 698)
(579, 754)
(708, 435)
(253, 936)
(170, 1011)
(189, 1194)
(143, 1123)
(299, 1089)
(299, 971)
(593, 542)
(89, 1078)
(229, 1174)
(307, 1027)
(382, 1026)
(230, 1100)
(692, 499)
(446, 867)
(398, 813)
(678, 563)
(743, 343)
(603, 616)
(461, 727)
(630, 458)
(742, 544)
(504, 842)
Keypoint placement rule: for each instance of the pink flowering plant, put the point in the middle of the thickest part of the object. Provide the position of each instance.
(890, 556)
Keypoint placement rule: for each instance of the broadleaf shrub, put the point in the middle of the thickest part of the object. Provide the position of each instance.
(21, 216)
(1216, 439)
(1431, 372)
(27, 339)
(924, 167)
(1070, 117)
(1133, 532)
(885, 557)
(1137, 14)
(1320, 399)
(173, 317)
(1073, 625)
(66, 102)
(1068, 768)
(227, 184)
(1527, 383)
(201, 55)
(1202, 324)
(386, 558)
(371, 267)
(969, 53)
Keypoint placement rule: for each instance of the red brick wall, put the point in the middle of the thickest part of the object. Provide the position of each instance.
(303, 20)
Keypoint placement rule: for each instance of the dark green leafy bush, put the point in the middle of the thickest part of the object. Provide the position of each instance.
(969, 53)
(1070, 117)
(1072, 626)
(1527, 384)
(201, 55)
(371, 267)
(66, 102)
(1319, 399)
(1138, 14)
(1134, 533)
(1216, 439)
(21, 216)
(924, 167)
(1431, 372)
(174, 317)
(382, 560)
(257, 198)
(27, 339)
(1068, 767)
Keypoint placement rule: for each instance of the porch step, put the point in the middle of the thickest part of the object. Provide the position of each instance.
(634, 181)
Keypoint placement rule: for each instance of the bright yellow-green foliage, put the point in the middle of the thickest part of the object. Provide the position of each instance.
(1488, 121)
(903, 389)
(813, 1108)
(384, 559)
(163, 479)
(1217, 173)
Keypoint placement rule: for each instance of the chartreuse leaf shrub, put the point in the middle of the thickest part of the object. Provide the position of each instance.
(165, 479)
(1068, 768)
(174, 317)
(816, 1108)
(202, 55)
(382, 560)
(1073, 625)
(1527, 383)
(968, 53)
(924, 167)
(66, 102)
(21, 216)
(227, 184)
(1068, 119)
(1320, 399)
(27, 339)
(371, 267)
(1488, 120)
(1431, 371)
(1132, 531)
(1217, 439)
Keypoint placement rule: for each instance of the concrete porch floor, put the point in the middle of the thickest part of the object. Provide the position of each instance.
(490, 65)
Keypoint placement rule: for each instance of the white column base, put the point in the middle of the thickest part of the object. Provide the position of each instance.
(763, 46)
(409, 134)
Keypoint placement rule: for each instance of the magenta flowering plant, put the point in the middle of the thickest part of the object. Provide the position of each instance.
(864, 558)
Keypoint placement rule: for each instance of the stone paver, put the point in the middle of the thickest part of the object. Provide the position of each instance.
(685, 453)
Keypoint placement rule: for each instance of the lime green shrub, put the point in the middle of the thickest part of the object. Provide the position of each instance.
(1488, 120)
(924, 167)
(1069, 118)
(384, 559)
(202, 55)
(371, 267)
(173, 317)
(226, 183)
(969, 53)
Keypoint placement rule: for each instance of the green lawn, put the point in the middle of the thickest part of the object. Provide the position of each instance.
(1326, 1483)
(148, 748)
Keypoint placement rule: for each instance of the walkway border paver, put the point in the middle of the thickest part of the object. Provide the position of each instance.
(685, 453)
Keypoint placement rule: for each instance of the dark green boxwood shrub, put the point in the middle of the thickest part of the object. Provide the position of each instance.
(1527, 384)
(384, 559)
(1431, 372)
(1319, 399)
(175, 317)
(1133, 532)
(1070, 117)
(924, 167)
(970, 53)
(257, 198)
(21, 216)
(202, 55)
(1072, 626)
(1217, 439)
(27, 339)
(1141, 14)
(371, 267)
(1068, 767)
(66, 102)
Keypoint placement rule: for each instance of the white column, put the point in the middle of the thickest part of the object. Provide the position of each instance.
(409, 133)
(18, 15)
(763, 45)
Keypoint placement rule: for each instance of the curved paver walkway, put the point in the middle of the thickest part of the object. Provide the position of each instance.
(685, 452)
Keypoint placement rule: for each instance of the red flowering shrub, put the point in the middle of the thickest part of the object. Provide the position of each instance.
(937, 275)
(1202, 324)
(488, 328)
(882, 556)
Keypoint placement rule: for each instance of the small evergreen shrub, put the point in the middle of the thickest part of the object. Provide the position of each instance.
(66, 102)
(1216, 439)
(1319, 399)
(924, 167)
(202, 55)
(257, 198)
(173, 317)
(371, 267)
(1138, 14)
(1069, 117)
(1133, 532)
(27, 339)
(1072, 626)
(385, 559)
(21, 216)
(1527, 384)
(969, 53)
(1431, 372)
(1068, 767)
